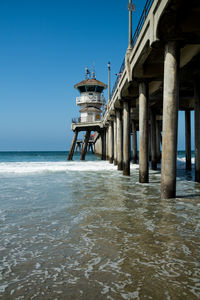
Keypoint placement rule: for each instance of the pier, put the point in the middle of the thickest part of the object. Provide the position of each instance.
(159, 76)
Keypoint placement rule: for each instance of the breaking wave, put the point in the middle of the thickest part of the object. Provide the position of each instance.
(66, 166)
(40, 167)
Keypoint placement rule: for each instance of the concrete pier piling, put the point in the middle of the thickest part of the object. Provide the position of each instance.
(110, 142)
(134, 139)
(85, 144)
(126, 138)
(170, 120)
(158, 141)
(103, 144)
(197, 129)
(119, 140)
(107, 142)
(115, 141)
(149, 142)
(153, 140)
(188, 139)
(71, 151)
(143, 132)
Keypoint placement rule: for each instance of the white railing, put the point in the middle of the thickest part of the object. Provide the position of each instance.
(94, 99)
(87, 119)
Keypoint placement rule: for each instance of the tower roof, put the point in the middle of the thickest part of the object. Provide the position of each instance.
(90, 81)
(90, 109)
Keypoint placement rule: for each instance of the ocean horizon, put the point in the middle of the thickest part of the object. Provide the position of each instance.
(81, 230)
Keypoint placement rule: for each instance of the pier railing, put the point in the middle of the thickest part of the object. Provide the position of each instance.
(143, 17)
(95, 99)
(76, 120)
(84, 120)
(118, 77)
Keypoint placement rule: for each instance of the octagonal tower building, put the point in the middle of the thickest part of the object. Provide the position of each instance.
(91, 99)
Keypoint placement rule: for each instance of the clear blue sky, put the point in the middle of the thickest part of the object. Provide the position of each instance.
(45, 46)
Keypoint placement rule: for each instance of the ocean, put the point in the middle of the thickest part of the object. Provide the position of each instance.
(81, 230)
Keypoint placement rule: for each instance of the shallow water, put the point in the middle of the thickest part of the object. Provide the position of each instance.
(81, 230)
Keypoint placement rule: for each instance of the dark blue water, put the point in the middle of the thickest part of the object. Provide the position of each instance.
(50, 156)
(25, 156)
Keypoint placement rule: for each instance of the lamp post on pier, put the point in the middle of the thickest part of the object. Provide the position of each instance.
(131, 8)
(109, 95)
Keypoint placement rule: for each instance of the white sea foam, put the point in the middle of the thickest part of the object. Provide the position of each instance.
(40, 167)
(181, 162)
(2, 216)
(37, 266)
(65, 166)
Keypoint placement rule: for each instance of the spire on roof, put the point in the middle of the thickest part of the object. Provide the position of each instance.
(93, 72)
(87, 73)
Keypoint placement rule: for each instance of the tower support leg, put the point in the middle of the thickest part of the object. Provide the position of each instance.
(85, 144)
(71, 151)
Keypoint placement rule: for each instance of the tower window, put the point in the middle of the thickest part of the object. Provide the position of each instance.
(82, 89)
(90, 88)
